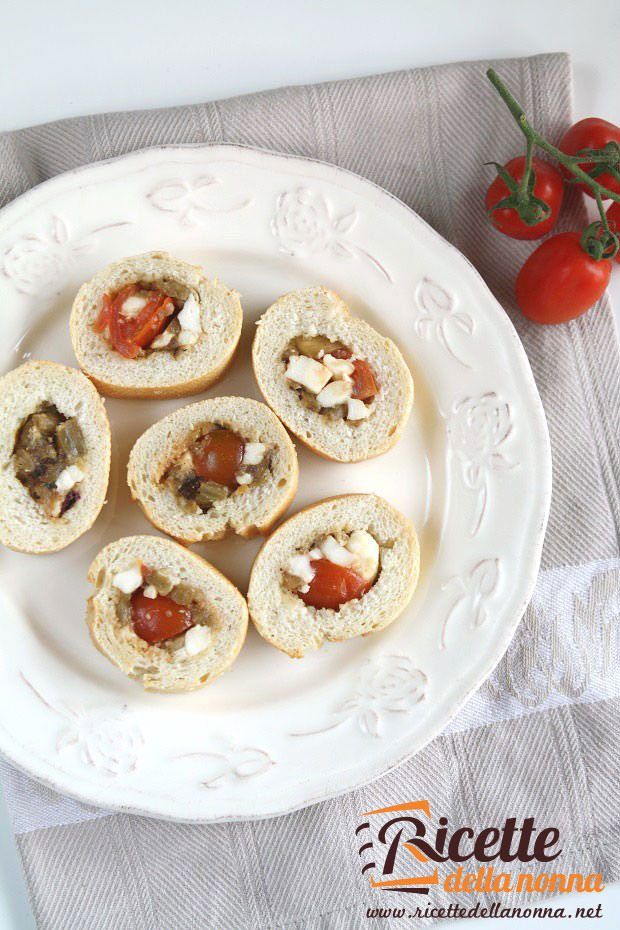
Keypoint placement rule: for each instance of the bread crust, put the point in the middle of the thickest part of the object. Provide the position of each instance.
(286, 622)
(251, 514)
(318, 310)
(128, 652)
(159, 374)
(23, 525)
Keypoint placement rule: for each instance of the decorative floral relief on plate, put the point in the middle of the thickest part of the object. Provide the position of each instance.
(440, 320)
(34, 261)
(109, 741)
(472, 592)
(226, 767)
(192, 202)
(388, 685)
(305, 223)
(477, 428)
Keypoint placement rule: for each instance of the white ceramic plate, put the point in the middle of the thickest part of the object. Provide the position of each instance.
(275, 733)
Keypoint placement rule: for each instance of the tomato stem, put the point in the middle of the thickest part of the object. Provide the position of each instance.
(569, 161)
(527, 168)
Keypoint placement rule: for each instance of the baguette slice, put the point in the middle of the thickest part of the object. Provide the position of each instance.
(23, 524)
(160, 373)
(251, 509)
(156, 667)
(282, 618)
(319, 311)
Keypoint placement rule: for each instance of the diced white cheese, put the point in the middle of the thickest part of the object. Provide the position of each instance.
(339, 367)
(336, 553)
(150, 591)
(243, 478)
(161, 341)
(365, 549)
(197, 640)
(299, 567)
(129, 580)
(254, 453)
(133, 305)
(68, 478)
(337, 392)
(357, 409)
(187, 337)
(307, 372)
(189, 317)
(315, 554)
(304, 588)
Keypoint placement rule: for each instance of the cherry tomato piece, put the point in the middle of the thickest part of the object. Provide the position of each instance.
(364, 384)
(560, 281)
(219, 456)
(613, 218)
(333, 585)
(591, 133)
(151, 321)
(160, 618)
(548, 187)
(129, 335)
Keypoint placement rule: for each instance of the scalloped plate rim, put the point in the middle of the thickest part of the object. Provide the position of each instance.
(36, 767)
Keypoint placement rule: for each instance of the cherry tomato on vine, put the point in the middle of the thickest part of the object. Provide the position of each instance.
(591, 133)
(560, 281)
(613, 218)
(548, 187)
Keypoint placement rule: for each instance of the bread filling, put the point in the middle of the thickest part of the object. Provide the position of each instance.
(162, 611)
(216, 463)
(329, 379)
(336, 569)
(143, 318)
(48, 457)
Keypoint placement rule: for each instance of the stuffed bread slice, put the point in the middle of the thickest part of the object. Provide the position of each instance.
(346, 566)
(334, 381)
(54, 456)
(163, 615)
(154, 326)
(219, 464)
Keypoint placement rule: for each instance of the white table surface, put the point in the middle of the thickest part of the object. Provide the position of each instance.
(68, 58)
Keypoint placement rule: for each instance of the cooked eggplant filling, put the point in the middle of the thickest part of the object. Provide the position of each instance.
(162, 611)
(48, 456)
(329, 379)
(335, 569)
(143, 318)
(215, 464)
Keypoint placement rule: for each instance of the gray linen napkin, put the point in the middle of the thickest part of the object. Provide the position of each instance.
(540, 738)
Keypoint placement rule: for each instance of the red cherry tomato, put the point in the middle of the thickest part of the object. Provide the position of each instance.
(613, 218)
(150, 322)
(333, 585)
(548, 187)
(219, 456)
(128, 336)
(591, 133)
(159, 618)
(560, 281)
(364, 384)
